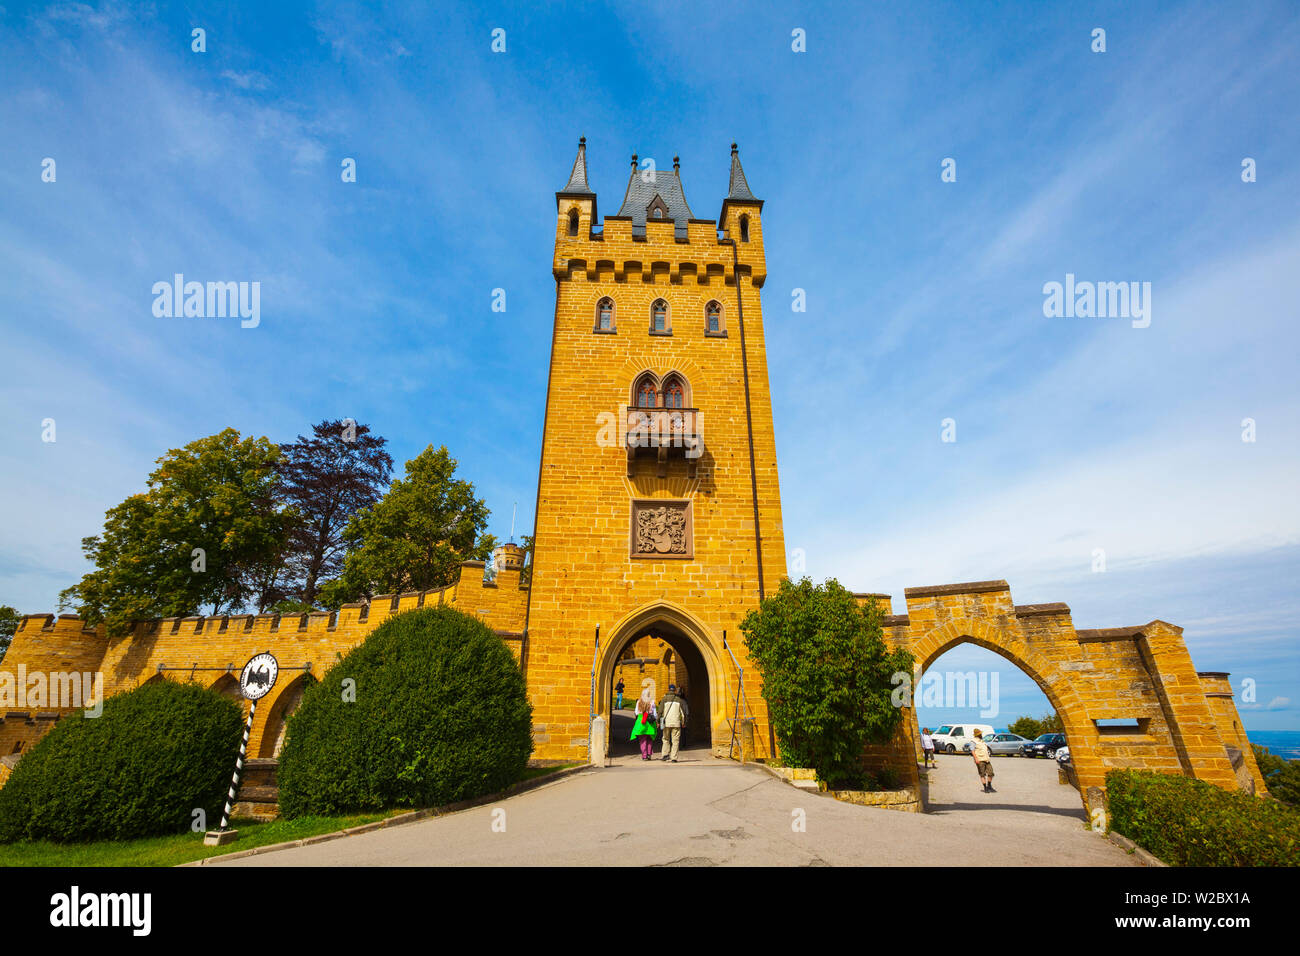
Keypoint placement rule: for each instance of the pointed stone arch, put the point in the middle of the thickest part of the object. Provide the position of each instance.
(697, 648)
(285, 703)
(1036, 665)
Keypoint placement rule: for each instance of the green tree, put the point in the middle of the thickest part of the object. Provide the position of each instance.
(1026, 726)
(526, 575)
(208, 532)
(415, 537)
(8, 627)
(1281, 776)
(327, 478)
(828, 676)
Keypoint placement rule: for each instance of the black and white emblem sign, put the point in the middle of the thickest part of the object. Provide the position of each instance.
(258, 676)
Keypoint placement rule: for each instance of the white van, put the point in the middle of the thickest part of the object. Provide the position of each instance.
(953, 738)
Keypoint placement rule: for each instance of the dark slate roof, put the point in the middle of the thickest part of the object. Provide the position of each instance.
(738, 188)
(640, 195)
(577, 184)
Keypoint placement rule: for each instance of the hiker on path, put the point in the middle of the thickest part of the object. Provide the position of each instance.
(983, 760)
(644, 728)
(927, 748)
(675, 714)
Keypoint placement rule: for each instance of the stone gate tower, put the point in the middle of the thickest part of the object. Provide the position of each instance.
(659, 511)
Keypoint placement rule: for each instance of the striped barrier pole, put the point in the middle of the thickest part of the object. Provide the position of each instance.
(239, 765)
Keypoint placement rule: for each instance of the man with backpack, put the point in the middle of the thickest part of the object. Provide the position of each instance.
(673, 713)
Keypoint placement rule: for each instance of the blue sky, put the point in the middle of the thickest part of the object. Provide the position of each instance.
(924, 297)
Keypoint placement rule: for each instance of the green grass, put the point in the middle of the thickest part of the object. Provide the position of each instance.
(187, 847)
(172, 850)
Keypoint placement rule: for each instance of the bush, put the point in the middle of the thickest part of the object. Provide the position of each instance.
(1188, 822)
(1281, 776)
(440, 713)
(141, 768)
(828, 677)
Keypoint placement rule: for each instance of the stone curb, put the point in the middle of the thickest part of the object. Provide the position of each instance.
(1125, 843)
(410, 816)
(773, 771)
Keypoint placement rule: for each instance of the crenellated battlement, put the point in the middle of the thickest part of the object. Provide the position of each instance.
(210, 649)
(255, 627)
(655, 236)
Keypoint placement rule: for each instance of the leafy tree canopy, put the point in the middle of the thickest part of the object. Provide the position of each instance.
(327, 478)
(1049, 723)
(204, 533)
(1281, 776)
(828, 676)
(8, 627)
(416, 536)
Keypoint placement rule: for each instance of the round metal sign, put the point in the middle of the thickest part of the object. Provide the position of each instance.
(258, 676)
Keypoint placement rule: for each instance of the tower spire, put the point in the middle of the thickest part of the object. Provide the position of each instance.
(577, 183)
(738, 188)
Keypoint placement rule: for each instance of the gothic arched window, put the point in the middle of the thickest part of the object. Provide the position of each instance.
(674, 394)
(605, 315)
(713, 317)
(573, 223)
(659, 316)
(744, 229)
(647, 396)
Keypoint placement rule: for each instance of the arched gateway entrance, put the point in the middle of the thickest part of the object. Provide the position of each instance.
(651, 647)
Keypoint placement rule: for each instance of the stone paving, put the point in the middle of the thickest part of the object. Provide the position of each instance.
(704, 811)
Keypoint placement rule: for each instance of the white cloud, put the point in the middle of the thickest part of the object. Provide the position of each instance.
(251, 80)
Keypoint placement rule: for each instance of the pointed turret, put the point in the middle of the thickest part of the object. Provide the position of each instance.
(577, 184)
(738, 188)
(576, 202)
(741, 207)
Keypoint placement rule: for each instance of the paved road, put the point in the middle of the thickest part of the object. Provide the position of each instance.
(707, 812)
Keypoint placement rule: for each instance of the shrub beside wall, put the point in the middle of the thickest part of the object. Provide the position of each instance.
(430, 709)
(1187, 822)
(141, 768)
(828, 677)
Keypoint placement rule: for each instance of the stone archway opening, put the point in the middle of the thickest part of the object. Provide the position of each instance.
(277, 721)
(648, 656)
(227, 685)
(965, 691)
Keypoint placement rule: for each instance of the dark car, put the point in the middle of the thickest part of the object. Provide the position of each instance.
(1045, 746)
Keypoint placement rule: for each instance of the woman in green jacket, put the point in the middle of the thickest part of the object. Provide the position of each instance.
(644, 728)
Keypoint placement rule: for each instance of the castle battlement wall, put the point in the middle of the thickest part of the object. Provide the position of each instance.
(211, 650)
(1127, 696)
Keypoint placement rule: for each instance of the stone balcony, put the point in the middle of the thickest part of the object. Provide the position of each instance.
(661, 433)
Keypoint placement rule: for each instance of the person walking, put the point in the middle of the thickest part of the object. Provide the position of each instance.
(644, 728)
(983, 760)
(675, 713)
(618, 689)
(927, 748)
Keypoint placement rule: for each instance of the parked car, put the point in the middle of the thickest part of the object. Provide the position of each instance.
(951, 738)
(1045, 746)
(1063, 755)
(1004, 745)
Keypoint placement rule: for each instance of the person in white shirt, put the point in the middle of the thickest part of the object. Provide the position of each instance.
(927, 748)
(675, 713)
(983, 760)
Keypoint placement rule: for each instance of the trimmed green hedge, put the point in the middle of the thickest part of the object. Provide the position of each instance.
(440, 714)
(141, 768)
(1188, 822)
